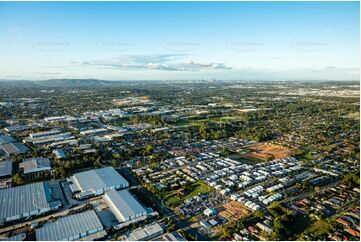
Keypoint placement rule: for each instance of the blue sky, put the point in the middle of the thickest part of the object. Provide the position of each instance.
(180, 40)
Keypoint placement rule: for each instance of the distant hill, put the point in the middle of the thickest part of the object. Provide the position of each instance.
(75, 83)
(17, 83)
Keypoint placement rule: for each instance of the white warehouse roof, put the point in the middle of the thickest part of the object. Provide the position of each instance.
(123, 205)
(70, 227)
(98, 179)
(20, 200)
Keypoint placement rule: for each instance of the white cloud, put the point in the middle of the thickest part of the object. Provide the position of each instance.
(165, 62)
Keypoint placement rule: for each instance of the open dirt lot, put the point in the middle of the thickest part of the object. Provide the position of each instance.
(232, 211)
(266, 151)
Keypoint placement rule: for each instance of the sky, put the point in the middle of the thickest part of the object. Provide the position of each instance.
(180, 40)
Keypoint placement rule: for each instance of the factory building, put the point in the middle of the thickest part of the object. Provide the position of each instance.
(6, 169)
(72, 227)
(35, 166)
(13, 149)
(124, 206)
(48, 137)
(25, 201)
(148, 232)
(4, 139)
(16, 128)
(96, 182)
(44, 133)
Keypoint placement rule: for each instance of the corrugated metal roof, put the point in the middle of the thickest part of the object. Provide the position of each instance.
(99, 179)
(23, 199)
(18, 237)
(124, 204)
(14, 148)
(6, 168)
(145, 233)
(4, 139)
(32, 164)
(69, 226)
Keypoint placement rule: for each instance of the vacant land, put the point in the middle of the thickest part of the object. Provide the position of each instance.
(233, 211)
(266, 151)
(355, 115)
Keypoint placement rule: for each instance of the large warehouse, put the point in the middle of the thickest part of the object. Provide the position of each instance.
(123, 205)
(71, 227)
(25, 201)
(96, 182)
(15, 148)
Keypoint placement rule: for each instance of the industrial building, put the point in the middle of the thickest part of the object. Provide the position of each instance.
(44, 133)
(13, 149)
(146, 233)
(4, 139)
(6, 169)
(15, 128)
(48, 137)
(173, 236)
(25, 201)
(17, 237)
(39, 166)
(93, 131)
(96, 182)
(124, 206)
(59, 153)
(71, 227)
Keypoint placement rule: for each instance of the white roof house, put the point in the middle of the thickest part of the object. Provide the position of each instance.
(210, 211)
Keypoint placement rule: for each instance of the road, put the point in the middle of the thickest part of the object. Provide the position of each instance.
(306, 194)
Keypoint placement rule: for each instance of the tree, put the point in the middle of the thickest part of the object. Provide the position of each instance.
(115, 163)
(351, 179)
(259, 214)
(148, 149)
(317, 189)
(18, 179)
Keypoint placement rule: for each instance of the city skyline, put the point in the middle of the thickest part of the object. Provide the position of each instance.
(180, 40)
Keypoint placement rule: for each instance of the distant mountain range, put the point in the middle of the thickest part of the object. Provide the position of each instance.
(79, 83)
(61, 83)
(76, 83)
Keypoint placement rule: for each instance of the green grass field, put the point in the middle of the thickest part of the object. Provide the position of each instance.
(197, 188)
